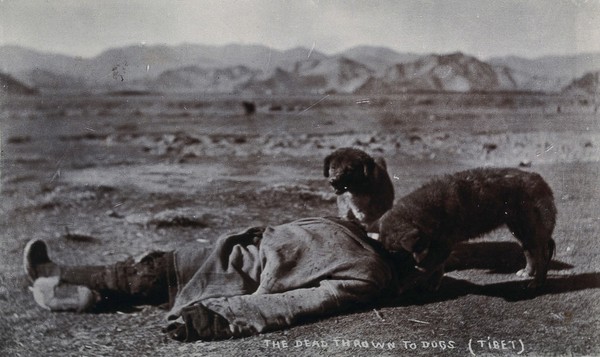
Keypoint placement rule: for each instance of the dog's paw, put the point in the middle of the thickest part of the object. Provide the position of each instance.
(534, 285)
(430, 286)
(525, 273)
(372, 235)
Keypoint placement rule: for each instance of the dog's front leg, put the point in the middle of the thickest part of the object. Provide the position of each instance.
(432, 284)
(426, 280)
(410, 281)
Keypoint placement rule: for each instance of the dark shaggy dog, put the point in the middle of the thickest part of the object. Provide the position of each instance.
(364, 189)
(468, 204)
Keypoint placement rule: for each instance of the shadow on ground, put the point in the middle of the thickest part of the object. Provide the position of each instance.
(510, 291)
(495, 257)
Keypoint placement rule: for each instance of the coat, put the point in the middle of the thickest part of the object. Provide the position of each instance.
(268, 278)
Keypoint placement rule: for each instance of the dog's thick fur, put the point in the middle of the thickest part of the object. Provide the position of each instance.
(468, 204)
(365, 191)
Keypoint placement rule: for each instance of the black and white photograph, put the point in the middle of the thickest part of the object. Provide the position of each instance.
(299, 178)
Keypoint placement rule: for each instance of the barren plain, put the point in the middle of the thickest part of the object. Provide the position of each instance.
(103, 177)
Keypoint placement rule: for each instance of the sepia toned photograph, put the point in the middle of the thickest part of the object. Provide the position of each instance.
(299, 178)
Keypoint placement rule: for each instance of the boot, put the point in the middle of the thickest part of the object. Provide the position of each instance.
(36, 261)
(38, 265)
(143, 281)
(53, 295)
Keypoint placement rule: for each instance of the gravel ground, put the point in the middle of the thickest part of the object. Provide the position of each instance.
(101, 179)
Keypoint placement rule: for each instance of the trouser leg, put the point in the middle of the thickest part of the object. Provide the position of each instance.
(146, 281)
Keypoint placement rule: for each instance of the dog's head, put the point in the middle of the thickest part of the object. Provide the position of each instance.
(397, 233)
(401, 234)
(349, 169)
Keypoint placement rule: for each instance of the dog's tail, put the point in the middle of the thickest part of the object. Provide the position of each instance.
(546, 212)
(543, 202)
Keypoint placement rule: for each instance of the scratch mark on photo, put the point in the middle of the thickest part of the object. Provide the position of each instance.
(268, 59)
(311, 50)
(419, 321)
(55, 176)
(317, 102)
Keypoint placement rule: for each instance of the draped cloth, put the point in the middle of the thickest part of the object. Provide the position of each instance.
(267, 278)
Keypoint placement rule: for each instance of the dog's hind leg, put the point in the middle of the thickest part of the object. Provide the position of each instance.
(541, 257)
(522, 228)
(534, 230)
(545, 219)
(545, 251)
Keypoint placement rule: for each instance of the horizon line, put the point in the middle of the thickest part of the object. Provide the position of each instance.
(308, 48)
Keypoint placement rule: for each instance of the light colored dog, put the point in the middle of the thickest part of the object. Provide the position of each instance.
(362, 185)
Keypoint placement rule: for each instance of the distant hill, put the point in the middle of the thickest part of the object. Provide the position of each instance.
(564, 67)
(287, 60)
(589, 83)
(9, 85)
(454, 72)
(341, 74)
(16, 59)
(212, 80)
(328, 75)
(44, 79)
(378, 59)
(282, 81)
(257, 68)
(138, 62)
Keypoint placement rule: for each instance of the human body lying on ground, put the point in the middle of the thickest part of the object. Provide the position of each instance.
(261, 279)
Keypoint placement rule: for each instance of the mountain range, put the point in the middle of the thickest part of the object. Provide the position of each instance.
(259, 69)
(10, 85)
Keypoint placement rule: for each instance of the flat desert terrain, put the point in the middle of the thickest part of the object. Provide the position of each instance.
(104, 177)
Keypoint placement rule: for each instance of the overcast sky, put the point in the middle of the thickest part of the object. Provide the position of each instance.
(529, 28)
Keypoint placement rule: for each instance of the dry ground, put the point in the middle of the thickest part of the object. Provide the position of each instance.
(104, 177)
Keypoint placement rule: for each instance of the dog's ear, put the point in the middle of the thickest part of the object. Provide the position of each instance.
(369, 167)
(381, 162)
(411, 240)
(394, 241)
(326, 166)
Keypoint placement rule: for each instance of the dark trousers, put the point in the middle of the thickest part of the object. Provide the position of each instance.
(148, 281)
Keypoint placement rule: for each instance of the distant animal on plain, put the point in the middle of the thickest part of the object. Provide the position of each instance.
(453, 208)
(362, 185)
(249, 107)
